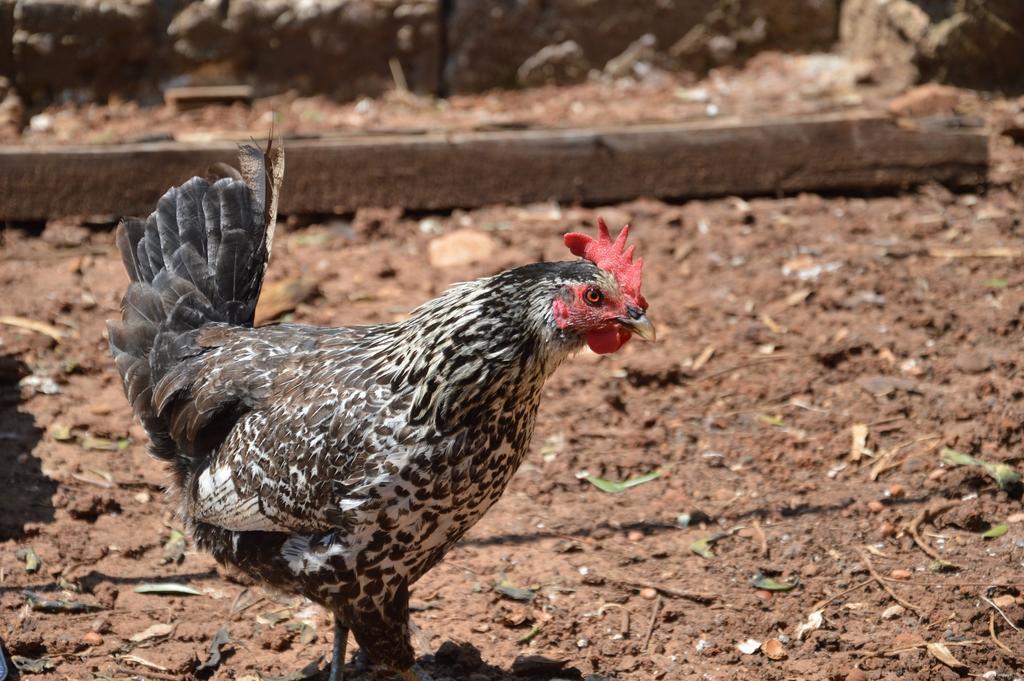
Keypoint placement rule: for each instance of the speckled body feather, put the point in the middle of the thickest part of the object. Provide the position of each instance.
(337, 463)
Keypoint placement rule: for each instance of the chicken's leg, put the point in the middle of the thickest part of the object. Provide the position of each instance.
(338, 658)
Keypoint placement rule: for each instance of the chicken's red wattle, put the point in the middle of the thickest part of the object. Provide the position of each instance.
(607, 339)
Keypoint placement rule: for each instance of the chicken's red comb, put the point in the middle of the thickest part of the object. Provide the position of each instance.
(611, 256)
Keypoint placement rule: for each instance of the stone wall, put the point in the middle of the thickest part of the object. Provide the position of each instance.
(86, 50)
(972, 43)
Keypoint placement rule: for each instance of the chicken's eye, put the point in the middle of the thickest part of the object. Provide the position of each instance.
(593, 295)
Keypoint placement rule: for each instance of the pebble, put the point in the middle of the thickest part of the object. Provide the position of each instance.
(887, 530)
(648, 594)
(900, 573)
(810, 569)
(896, 490)
(92, 638)
(893, 612)
(462, 247)
(937, 474)
(635, 535)
(876, 506)
(856, 675)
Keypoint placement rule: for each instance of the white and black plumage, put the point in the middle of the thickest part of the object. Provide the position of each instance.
(342, 463)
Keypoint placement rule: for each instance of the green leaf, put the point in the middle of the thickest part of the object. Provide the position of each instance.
(702, 547)
(940, 565)
(167, 589)
(996, 531)
(995, 282)
(1004, 474)
(31, 558)
(613, 487)
(955, 458)
(761, 581)
(510, 590)
(526, 638)
(100, 443)
(771, 420)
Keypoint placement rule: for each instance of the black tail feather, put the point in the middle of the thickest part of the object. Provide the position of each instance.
(198, 259)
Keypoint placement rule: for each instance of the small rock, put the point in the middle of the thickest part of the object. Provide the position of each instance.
(143, 497)
(900, 573)
(536, 665)
(1004, 601)
(971, 362)
(461, 247)
(887, 530)
(926, 100)
(893, 612)
(810, 570)
(92, 638)
(876, 506)
(635, 535)
(648, 594)
(937, 474)
(856, 675)
(896, 490)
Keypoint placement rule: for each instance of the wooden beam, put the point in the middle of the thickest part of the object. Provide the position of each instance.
(833, 152)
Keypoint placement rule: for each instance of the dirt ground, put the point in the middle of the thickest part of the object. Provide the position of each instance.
(816, 355)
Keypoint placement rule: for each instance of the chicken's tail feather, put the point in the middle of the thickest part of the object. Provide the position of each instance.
(198, 259)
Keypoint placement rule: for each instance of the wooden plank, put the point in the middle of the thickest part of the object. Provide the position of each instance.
(436, 171)
(183, 98)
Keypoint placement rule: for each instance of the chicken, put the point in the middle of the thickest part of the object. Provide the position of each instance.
(342, 463)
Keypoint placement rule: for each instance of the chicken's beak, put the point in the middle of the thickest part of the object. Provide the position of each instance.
(638, 324)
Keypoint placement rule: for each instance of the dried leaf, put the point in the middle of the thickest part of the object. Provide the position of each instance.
(941, 653)
(155, 631)
(40, 603)
(995, 282)
(614, 487)
(702, 547)
(32, 562)
(283, 296)
(167, 589)
(859, 435)
(814, 622)
(28, 665)
(307, 672)
(220, 639)
(798, 296)
(60, 432)
(142, 661)
(761, 581)
(703, 358)
(996, 531)
(995, 252)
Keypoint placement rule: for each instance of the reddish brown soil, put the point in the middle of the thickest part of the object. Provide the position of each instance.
(782, 323)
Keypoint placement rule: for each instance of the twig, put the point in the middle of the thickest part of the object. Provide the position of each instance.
(33, 325)
(927, 514)
(999, 610)
(667, 590)
(828, 601)
(761, 538)
(152, 673)
(884, 463)
(995, 639)
(744, 365)
(888, 589)
(653, 623)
